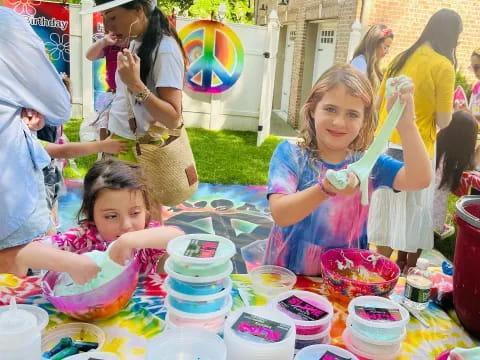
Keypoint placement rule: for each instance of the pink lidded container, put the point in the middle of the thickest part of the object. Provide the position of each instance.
(311, 313)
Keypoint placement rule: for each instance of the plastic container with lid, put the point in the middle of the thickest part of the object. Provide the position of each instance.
(210, 321)
(377, 318)
(186, 343)
(20, 333)
(311, 313)
(199, 304)
(272, 280)
(419, 285)
(315, 352)
(259, 333)
(370, 351)
(77, 331)
(201, 249)
(302, 341)
(199, 270)
(193, 285)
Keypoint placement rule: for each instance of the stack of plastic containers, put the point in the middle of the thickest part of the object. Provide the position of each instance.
(198, 285)
(259, 333)
(376, 328)
(311, 314)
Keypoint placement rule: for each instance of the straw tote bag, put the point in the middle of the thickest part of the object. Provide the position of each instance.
(169, 166)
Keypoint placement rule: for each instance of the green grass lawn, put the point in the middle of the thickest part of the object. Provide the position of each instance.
(222, 157)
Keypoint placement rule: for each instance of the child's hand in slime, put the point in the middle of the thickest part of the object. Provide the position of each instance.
(406, 98)
(350, 189)
(82, 269)
(121, 249)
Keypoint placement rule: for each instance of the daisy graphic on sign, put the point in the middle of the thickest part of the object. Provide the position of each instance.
(58, 47)
(25, 7)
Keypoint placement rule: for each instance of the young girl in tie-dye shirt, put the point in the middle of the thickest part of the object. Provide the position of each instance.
(310, 214)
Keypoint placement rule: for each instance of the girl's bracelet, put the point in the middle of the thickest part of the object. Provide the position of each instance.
(323, 190)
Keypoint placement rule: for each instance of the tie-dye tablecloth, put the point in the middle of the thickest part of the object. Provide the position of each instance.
(128, 331)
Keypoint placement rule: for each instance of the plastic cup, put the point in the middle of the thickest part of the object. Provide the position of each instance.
(304, 307)
(253, 254)
(94, 355)
(186, 343)
(316, 352)
(271, 280)
(377, 329)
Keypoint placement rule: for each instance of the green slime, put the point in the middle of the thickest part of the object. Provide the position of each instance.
(363, 167)
(109, 270)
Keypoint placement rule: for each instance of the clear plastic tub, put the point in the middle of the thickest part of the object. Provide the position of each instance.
(199, 304)
(370, 351)
(210, 321)
(171, 325)
(316, 352)
(302, 341)
(186, 343)
(259, 333)
(202, 249)
(253, 254)
(37, 311)
(311, 313)
(192, 285)
(271, 280)
(380, 328)
(77, 331)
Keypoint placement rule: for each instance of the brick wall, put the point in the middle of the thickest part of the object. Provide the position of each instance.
(408, 18)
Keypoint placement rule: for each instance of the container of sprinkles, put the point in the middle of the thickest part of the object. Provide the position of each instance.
(311, 313)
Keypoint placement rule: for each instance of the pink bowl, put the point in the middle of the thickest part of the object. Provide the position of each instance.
(97, 304)
(371, 261)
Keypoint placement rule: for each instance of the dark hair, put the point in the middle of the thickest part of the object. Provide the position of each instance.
(158, 26)
(442, 32)
(456, 149)
(368, 48)
(111, 174)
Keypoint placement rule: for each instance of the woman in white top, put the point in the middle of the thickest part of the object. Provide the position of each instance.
(150, 74)
(373, 48)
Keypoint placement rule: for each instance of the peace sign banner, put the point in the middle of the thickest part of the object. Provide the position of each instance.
(215, 53)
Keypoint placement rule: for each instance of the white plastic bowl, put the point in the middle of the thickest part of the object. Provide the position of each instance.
(317, 351)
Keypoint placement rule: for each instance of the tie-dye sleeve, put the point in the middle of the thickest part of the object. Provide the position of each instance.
(283, 172)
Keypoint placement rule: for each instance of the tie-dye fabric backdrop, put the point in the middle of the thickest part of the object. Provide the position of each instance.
(51, 22)
(100, 85)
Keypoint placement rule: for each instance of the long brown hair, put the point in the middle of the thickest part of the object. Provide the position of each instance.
(368, 48)
(357, 85)
(456, 149)
(158, 26)
(112, 174)
(442, 32)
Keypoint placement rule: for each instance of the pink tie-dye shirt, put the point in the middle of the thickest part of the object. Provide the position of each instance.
(86, 236)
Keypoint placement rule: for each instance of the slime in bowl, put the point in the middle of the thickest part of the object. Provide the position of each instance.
(356, 272)
(96, 304)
